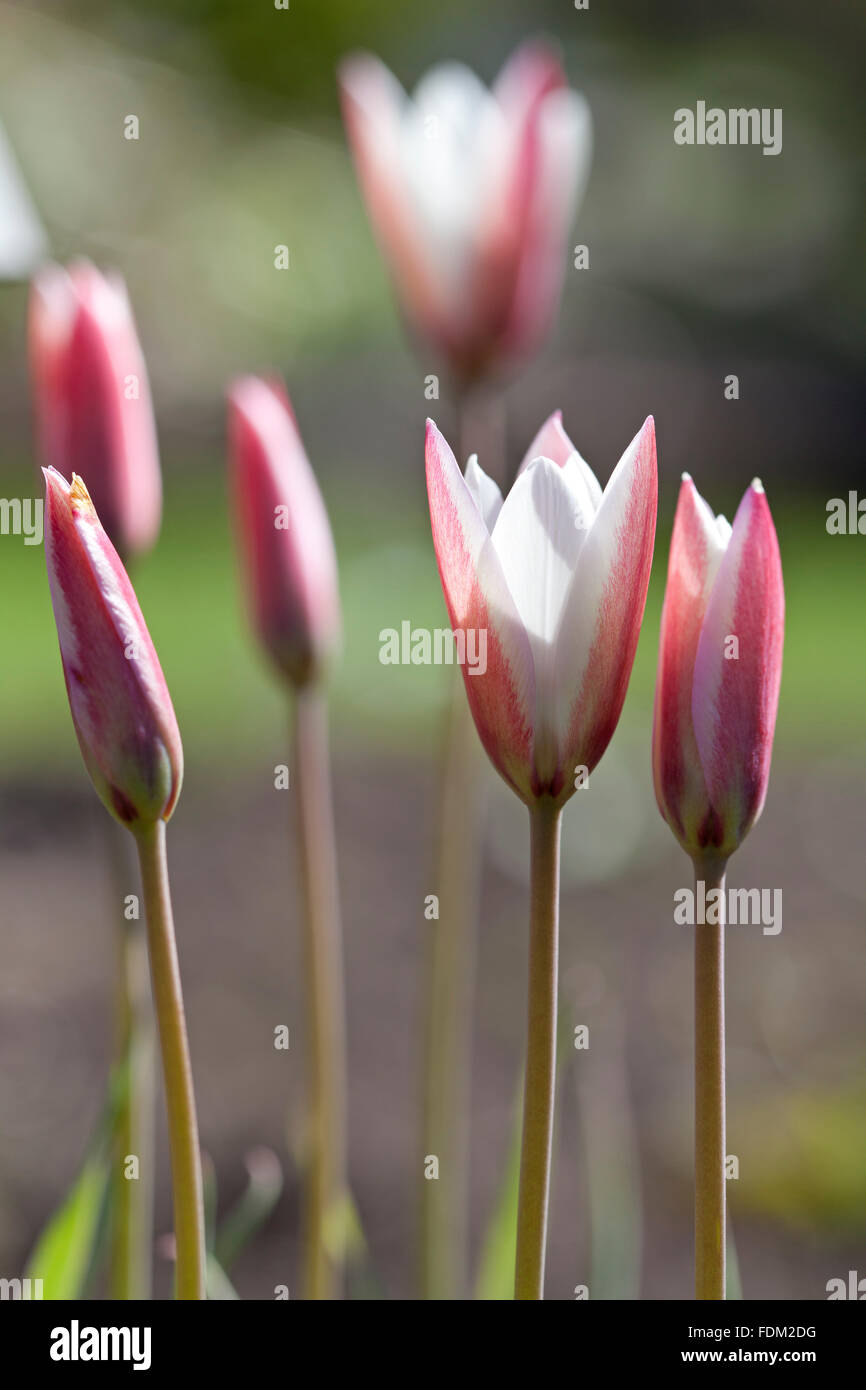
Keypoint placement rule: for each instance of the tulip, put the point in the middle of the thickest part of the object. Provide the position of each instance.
(556, 576)
(283, 533)
(716, 698)
(123, 716)
(92, 399)
(720, 665)
(94, 418)
(290, 572)
(120, 704)
(471, 193)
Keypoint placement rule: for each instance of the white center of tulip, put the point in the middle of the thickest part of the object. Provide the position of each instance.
(452, 140)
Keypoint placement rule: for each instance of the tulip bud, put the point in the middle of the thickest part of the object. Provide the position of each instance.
(720, 668)
(120, 704)
(287, 550)
(92, 399)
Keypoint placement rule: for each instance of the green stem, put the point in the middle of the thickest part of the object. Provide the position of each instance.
(710, 1090)
(180, 1099)
(132, 1198)
(545, 821)
(450, 976)
(326, 1194)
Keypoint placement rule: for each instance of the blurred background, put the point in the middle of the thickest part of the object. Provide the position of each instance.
(703, 263)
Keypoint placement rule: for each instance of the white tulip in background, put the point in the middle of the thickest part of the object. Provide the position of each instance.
(471, 191)
(23, 243)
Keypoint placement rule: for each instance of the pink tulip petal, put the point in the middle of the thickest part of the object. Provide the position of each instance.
(601, 620)
(734, 699)
(559, 159)
(283, 531)
(532, 71)
(92, 396)
(695, 555)
(551, 442)
(502, 700)
(120, 704)
(373, 105)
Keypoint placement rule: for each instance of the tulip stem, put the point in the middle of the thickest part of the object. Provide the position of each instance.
(545, 821)
(326, 1192)
(132, 1198)
(177, 1072)
(451, 950)
(710, 1091)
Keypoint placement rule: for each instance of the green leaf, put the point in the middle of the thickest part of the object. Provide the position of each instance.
(343, 1234)
(495, 1280)
(64, 1254)
(61, 1256)
(220, 1288)
(253, 1207)
(733, 1283)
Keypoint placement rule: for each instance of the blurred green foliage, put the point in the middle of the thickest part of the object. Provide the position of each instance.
(803, 1162)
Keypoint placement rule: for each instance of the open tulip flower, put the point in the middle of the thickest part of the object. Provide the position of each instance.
(471, 193)
(556, 577)
(720, 667)
(92, 399)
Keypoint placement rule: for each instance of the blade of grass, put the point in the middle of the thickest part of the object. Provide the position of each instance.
(63, 1254)
(495, 1280)
(252, 1209)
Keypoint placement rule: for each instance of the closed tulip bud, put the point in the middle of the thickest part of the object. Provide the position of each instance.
(471, 193)
(287, 550)
(720, 667)
(92, 399)
(120, 704)
(556, 575)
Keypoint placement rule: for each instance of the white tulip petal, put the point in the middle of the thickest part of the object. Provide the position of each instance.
(604, 606)
(23, 243)
(451, 131)
(502, 698)
(575, 471)
(538, 545)
(485, 492)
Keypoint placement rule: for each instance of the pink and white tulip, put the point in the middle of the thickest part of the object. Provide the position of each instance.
(120, 704)
(287, 549)
(471, 193)
(92, 400)
(557, 575)
(716, 698)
